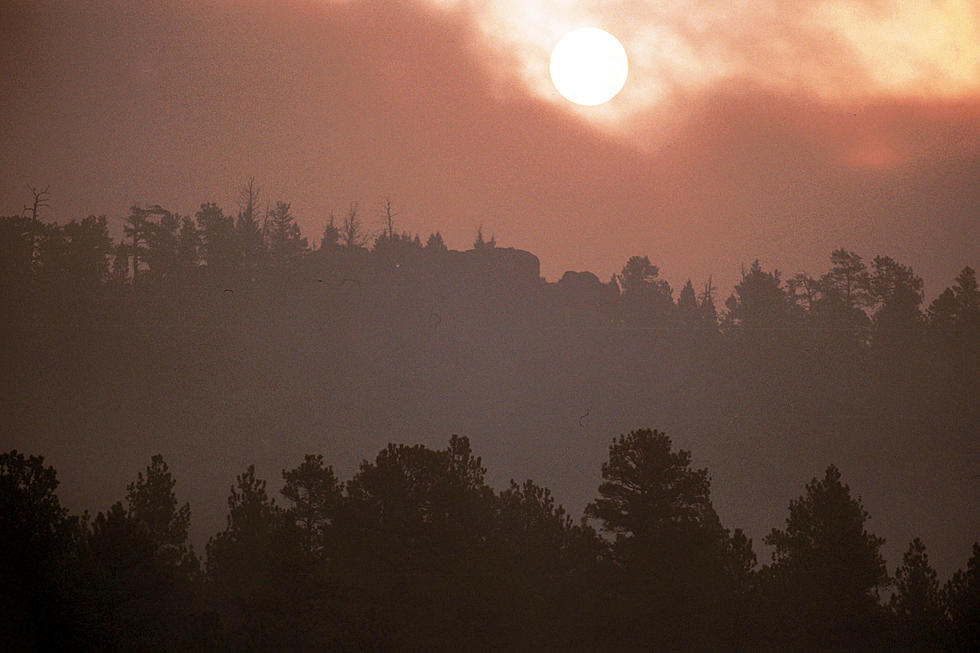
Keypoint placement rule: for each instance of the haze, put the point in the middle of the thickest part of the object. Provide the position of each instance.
(364, 251)
(745, 131)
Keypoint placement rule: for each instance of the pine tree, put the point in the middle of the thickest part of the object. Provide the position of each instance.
(917, 605)
(826, 566)
(316, 497)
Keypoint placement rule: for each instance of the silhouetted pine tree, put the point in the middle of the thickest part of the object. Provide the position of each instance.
(826, 570)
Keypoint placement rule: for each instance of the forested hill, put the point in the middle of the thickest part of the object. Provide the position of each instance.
(220, 342)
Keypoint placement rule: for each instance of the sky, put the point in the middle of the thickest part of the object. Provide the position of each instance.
(747, 129)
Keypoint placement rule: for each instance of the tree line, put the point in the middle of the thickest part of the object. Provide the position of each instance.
(859, 323)
(853, 302)
(417, 552)
(160, 246)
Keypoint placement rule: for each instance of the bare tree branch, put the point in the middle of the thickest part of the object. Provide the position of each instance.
(352, 234)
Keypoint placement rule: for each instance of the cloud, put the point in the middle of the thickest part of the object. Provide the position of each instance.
(834, 50)
(325, 103)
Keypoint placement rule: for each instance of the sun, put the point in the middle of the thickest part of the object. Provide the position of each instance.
(589, 66)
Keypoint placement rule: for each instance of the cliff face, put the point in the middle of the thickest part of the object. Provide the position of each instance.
(505, 267)
(500, 265)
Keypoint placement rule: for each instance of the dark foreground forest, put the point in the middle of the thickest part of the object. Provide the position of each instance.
(223, 341)
(417, 553)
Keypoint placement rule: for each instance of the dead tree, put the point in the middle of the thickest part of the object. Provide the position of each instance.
(41, 198)
(352, 234)
(388, 220)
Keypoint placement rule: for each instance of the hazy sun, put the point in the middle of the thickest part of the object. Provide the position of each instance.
(589, 66)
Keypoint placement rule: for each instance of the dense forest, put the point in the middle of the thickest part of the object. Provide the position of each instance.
(223, 341)
(416, 552)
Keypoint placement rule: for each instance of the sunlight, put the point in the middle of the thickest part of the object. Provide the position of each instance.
(916, 48)
(838, 50)
(589, 66)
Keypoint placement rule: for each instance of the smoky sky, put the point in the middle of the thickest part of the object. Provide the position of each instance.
(429, 103)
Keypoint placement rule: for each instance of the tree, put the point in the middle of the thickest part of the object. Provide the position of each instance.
(480, 244)
(253, 519)
(962, 594)
(532, 527)
(833, 305)
(421, 500)
(36, 537)
(826, 566)
(848, 279)
(286, 244)
(917, 605)
(637, 276)
(163, 247)
(943, 313)
(256, 567)
(388, 220)
(331, 235)
(352, 234)
(40, 201)
(650, 491)
(153, 505)
(76, 254)
(647, 299)
(967, 296)
(120, 583)
(392, 248)
(688, 311)
(694, 312)
(759, 304)
(956, 311)
(547, 570)
(16, 249)
(416, 530)
(89, 250)
(217, 234)
(136, 229)
(140, 228)
(32, 518)
(316, 497)
(51, 252)
(435, 243)
(188, 246)
(706, 304)
(135, 570)
(897, 292)
(248, 231)
(803, 290)
(677, 560)
(119, 272)
(954, 328)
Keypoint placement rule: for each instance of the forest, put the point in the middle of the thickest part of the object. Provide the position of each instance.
(232, 346)
(417, 552)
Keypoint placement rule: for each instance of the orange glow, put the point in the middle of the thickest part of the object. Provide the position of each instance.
(836, 50)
